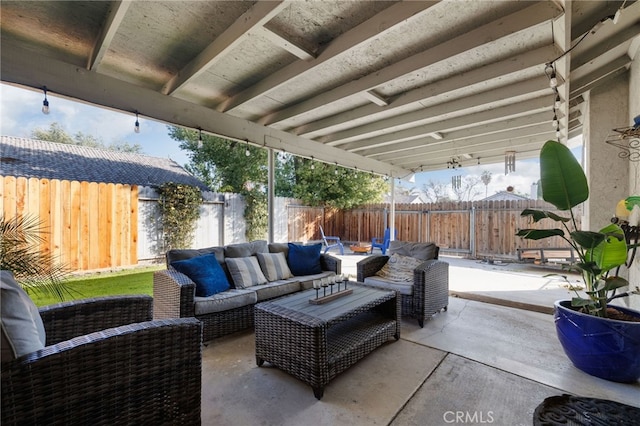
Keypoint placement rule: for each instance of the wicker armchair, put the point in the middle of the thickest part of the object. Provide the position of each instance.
(429, 293)
(106, 363)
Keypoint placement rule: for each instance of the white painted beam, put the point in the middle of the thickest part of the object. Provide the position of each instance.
(374, 27)
(524, 18)
(482, 129)
(491, 71)
(259, 14)
(531, 88)
(285, 44)
(117, 11)
(374, 98)
(20, 66)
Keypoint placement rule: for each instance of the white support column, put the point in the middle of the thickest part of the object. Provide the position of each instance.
(607, 173)
(634, 167)
(271, 182)
(392, 218)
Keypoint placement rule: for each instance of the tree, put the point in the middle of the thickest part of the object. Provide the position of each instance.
(486, 179)
(56, 133)
(224, 166)
(436, 191)
(319, 183)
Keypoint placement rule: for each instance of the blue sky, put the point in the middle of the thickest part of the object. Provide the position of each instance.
(20, 112)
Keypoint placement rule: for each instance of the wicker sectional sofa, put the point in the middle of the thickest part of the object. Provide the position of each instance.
(174, 293)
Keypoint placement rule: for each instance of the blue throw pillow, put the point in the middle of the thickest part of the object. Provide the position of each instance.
(206, 272)
(304, 260)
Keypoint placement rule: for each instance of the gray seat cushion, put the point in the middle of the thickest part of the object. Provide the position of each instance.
(219, 302)
(383, 284)
(276, 288)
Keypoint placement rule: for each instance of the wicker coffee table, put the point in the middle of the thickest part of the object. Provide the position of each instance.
(317, 342)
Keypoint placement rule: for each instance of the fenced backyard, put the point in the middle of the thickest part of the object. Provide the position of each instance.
(478, 229)
(98, 225)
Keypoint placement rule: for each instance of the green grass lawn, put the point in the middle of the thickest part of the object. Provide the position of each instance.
(136, 281)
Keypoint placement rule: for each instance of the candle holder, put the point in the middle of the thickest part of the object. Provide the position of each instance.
(330, 282)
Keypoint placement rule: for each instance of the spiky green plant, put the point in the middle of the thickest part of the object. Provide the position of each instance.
(20, 253)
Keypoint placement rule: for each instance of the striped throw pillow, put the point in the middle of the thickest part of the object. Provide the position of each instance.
(399, 268)
(245, 271)
(274, 266)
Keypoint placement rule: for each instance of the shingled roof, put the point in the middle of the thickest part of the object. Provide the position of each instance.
(23, 157)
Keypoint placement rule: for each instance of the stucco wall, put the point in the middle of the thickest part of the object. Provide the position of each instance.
(634, 167)
(606, 171)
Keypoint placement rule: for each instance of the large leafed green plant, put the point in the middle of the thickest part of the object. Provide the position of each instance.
(564, 185)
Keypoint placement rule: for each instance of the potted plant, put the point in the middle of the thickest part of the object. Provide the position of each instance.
(592, 339)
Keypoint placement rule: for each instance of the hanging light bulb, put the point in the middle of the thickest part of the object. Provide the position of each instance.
(336, 170)
(554, 122)
(313, 165)
(45, 103)
(557, 102)
(247, 152)
(136, 127)
(200, 143)
(553, 81)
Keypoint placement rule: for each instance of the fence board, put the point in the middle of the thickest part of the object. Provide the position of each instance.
(85, 225)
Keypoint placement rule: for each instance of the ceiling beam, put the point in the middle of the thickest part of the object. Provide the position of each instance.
(259, 14)
(117, 11)
(374, 27)
(531, 88)
(484, 129)
(499, 69)
(19, 65)
(531, 143)
(471, 145)
(503, 26)
(285, 44)
(471, 120)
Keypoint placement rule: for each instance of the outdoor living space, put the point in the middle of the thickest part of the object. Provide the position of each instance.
(476, 363)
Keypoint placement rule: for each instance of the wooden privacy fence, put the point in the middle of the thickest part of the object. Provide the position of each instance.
(88, 225)
(478, 229)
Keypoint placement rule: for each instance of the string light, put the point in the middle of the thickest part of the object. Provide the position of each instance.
(200, 143)
(45, 103)
(557, 102)
(136, 127)
(313, 165)
(247, 152)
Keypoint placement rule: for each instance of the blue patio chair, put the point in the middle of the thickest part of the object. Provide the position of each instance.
(384, 244)
(335, 242)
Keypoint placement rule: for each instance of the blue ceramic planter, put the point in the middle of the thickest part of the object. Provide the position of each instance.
(605, 348)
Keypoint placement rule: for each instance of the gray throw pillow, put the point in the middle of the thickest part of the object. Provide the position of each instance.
(422, 251)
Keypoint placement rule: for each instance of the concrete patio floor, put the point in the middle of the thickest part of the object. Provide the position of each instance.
(477, 363)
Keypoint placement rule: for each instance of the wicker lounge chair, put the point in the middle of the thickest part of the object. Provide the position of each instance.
(106, 363)
(427, 294)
